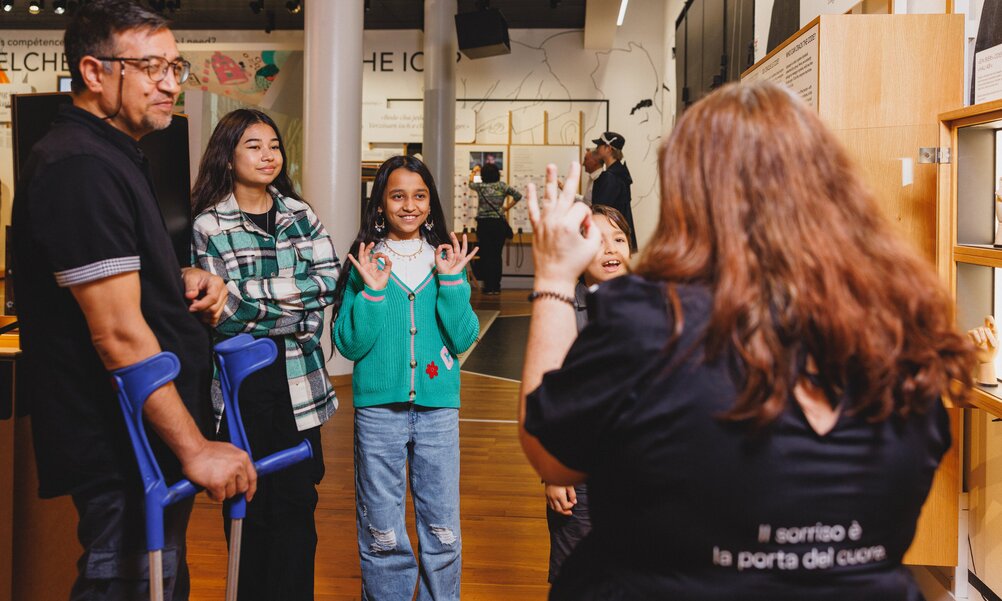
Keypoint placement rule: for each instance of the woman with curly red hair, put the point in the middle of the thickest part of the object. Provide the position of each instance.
(757, 410)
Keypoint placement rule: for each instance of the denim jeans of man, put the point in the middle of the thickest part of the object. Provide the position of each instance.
(114, 565)
(387, 439)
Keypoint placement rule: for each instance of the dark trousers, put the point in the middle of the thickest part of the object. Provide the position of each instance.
(279, 534)
(114, 565)
(490, 239)
(566, 531)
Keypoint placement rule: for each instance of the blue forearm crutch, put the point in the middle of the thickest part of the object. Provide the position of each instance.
(134, 384)
(238, 357)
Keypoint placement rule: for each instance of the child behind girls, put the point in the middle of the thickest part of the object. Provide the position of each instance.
(404, 316)
(567, 506)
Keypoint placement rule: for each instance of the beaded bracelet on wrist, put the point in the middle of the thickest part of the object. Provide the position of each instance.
(535, 294)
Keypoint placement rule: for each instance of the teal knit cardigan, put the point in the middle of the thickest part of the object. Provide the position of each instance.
(405, 342)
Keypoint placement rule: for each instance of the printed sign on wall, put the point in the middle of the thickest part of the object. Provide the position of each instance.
(404, 123)
(988, 75)
(6, 91)
(795, 66)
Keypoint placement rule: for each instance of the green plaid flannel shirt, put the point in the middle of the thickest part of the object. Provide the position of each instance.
(278, 286)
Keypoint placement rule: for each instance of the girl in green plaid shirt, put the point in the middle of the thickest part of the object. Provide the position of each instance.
(281, 270)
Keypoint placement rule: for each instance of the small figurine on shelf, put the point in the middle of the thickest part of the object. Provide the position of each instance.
(986, 339)
(998, 214)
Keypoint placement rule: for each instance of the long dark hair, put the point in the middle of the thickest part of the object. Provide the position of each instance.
(438, 234)
(760, 202)
(215, 178)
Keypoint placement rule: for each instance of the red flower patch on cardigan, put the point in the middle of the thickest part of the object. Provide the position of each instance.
(431, 370)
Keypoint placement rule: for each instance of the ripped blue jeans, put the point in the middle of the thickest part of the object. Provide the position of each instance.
(387, 439)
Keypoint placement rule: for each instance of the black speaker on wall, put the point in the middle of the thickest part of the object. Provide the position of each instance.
(482, 33)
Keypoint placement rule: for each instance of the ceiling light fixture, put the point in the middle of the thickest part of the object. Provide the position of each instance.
(36, 6)
(59, 6)
(294, 6)
(622, 13)
(8, 5)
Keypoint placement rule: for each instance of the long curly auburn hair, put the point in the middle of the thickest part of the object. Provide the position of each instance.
(760, 202)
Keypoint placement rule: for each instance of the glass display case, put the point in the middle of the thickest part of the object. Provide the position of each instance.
(970, 234)
(969, 259)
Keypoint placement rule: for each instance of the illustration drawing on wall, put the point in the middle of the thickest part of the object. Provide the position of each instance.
(240, 74)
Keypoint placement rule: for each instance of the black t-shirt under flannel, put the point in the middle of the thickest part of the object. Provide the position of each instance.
(686, 505)
(86, 210)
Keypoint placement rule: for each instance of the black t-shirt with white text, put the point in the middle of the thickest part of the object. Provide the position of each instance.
(686, 505)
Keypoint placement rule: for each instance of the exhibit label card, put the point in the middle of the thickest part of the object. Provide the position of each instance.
(794, 65)
(6, 91)
(405, 123)
(988, 75)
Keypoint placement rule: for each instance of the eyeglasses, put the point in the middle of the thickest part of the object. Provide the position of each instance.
(157, 67)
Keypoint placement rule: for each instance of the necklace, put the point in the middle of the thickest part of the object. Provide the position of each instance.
(267, 220)
(404, 256)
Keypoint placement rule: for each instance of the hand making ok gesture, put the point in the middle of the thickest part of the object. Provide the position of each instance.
(452, 258)
(374, 274)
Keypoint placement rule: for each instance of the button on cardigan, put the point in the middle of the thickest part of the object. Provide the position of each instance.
(405, 342)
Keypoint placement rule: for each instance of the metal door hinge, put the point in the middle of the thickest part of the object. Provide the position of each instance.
(933, 154)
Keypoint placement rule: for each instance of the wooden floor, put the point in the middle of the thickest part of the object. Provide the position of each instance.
(505, 543)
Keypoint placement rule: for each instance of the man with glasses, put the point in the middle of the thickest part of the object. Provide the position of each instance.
(98, 288)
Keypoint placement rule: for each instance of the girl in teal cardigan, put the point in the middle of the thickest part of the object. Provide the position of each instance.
(403, 317)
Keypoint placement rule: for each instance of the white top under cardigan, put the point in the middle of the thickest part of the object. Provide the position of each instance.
(410, 266)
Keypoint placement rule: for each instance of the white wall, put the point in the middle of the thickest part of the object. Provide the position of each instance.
(549, 70)
(546, 69)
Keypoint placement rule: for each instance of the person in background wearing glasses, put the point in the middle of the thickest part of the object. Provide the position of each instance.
(99, 287)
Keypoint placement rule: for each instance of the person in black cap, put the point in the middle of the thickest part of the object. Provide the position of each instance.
(612, 188)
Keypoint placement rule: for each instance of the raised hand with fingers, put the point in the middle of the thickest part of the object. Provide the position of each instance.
(374, 273)
(986, 339)
(452, 258)
(563, 239)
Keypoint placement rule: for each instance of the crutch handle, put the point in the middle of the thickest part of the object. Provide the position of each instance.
(282, 459)
(275, 462)
(182, 489)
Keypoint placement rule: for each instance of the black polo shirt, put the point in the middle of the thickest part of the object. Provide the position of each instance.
(86, 210)
(686, 505)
